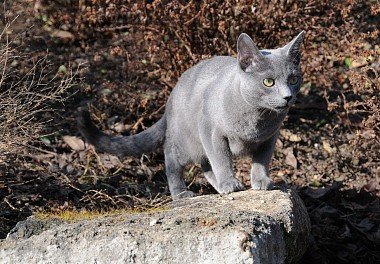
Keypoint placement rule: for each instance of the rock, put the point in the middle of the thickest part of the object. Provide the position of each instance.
(243, 227)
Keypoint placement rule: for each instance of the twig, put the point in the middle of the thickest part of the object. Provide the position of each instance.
(143, 28)
(11, 206)
(37, 148)
(186, 45)
(157, 111)
(167, 83)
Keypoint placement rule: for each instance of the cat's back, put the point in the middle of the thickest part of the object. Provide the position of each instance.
(204, 75)
(210, 68)
(216, 62)
(193, 85)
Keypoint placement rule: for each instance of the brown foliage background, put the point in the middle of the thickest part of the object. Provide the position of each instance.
(29, 92)
(174, 35)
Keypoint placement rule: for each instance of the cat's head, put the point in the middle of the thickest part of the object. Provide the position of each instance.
(269, 79)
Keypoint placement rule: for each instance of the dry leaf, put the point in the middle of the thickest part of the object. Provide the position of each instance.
(290, 159)
(294, 138)
(279, 143)
(74, 143)
(326, 146)
(372, 186)
(62, 160)
(63, 35)
(290, 136)
(110, 161)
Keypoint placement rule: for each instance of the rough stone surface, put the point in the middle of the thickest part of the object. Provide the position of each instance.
(242, 227)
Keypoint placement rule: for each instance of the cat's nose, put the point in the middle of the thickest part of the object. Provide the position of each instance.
(288, 98)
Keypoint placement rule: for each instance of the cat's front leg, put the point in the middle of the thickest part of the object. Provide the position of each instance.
(260, 165)
(220, 158)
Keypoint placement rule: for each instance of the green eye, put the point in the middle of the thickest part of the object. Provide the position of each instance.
(268, 82)
(293, 80)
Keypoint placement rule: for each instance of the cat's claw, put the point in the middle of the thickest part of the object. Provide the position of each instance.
(233, 185)
(262, 184)
(184, 194)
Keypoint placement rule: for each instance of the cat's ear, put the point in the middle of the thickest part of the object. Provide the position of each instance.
(293, 48)
(248, 54)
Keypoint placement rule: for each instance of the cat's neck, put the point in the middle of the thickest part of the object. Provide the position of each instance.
(234, 101)
(247, 119)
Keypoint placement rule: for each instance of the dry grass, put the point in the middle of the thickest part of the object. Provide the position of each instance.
(29, 95)
(74, 215)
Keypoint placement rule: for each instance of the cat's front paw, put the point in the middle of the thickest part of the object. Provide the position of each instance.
(262, 184)
(232, 185)
(184, 194)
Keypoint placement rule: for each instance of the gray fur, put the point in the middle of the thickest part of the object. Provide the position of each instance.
(219, 109)
(135, 145)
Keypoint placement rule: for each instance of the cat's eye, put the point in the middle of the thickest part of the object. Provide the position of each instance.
(268, 82)
(293, 80)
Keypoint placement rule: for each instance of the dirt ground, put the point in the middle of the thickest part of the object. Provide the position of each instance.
(131, 53)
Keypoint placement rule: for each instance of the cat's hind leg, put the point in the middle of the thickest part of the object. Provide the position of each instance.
(174, 171)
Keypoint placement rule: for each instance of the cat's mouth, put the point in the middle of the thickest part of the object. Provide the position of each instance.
(282, 107)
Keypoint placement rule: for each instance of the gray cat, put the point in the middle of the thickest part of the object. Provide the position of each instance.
(220, 108)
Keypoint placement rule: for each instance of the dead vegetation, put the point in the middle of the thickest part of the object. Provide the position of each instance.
(136, 50)
(30, 90)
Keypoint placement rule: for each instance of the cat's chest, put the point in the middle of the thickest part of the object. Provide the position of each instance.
(239, 147)
(245, 140)
(250, 129)
(243, 144)
(246, 133)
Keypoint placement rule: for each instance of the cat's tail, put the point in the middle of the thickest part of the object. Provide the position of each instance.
(135, 145)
